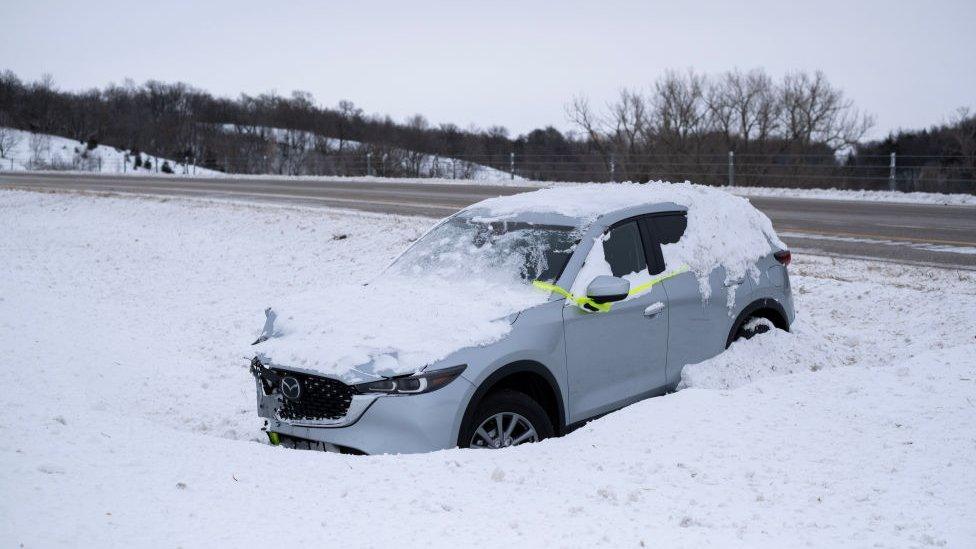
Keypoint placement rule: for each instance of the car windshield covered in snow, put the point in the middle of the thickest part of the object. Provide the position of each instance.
(462, 247)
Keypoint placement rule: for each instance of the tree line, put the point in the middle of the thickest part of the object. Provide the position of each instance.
(798, 130)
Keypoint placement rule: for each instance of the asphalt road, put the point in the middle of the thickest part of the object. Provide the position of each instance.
(934, 235)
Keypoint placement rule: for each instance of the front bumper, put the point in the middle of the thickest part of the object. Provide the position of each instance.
(382, 424)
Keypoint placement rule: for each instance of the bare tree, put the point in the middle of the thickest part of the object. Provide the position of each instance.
(962, 129)
(815, 111)
(40, 147)
(9, 137)
(631, 122)
(349, 116)
(680, 110)
(294, 147)
(593, 126)
(414, 156)
(743, 107)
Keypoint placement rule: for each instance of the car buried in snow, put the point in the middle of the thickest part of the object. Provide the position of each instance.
(520, 318)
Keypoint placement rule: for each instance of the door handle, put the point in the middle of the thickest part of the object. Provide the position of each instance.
(736, 282)
(654, 309)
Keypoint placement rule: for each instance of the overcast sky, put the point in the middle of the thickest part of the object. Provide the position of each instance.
(516, 64)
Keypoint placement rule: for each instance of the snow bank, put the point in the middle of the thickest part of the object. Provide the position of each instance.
(951, 199)
(723, 230)
(766, 355)
(41, 152)
(122, 322)
(845, 310)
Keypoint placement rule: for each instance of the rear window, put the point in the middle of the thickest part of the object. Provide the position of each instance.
(669, 228)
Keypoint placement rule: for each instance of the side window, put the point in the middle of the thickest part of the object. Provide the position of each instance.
(662, 229)
(624, 250)
(669, 228)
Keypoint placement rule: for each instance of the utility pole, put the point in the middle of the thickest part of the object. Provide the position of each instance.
(511, 164)
(613, 168)
(892, 183)
(731, 168)
(369, 163)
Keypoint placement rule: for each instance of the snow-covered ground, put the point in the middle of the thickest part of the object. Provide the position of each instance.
(955, 199)
(128, 417)
(38, 151)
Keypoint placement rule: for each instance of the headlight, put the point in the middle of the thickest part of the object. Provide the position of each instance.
(416, 384)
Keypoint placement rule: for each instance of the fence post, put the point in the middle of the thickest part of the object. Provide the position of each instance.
(511, 164)
(731, 168)
(369, 163)
(892, 183)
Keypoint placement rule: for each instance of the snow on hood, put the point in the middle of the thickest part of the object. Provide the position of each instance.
(724, 230)
(397, 325)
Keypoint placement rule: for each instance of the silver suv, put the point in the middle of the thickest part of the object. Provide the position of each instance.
(566, 360)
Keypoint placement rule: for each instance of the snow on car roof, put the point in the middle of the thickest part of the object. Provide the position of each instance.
(589, 201)
(724, 230)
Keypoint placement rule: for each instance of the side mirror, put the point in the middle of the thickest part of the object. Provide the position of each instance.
(607, 289)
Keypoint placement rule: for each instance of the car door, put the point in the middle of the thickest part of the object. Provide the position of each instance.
(617, 357)
(697, 327)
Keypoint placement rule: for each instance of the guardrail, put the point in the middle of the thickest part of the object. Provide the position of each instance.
(945, 174)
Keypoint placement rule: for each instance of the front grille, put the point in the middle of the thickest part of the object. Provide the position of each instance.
(320, 398)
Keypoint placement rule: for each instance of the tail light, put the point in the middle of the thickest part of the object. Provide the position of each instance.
(784, 257)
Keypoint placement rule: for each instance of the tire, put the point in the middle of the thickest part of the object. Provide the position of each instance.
(752, 327)
(511, 406)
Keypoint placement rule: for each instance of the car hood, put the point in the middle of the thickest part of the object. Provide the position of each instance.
(359, 333)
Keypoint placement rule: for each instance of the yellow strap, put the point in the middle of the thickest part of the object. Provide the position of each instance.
(583, 301)
(580, 301)
(649, 284)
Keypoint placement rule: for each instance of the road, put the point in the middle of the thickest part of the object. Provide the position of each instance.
(924, 234)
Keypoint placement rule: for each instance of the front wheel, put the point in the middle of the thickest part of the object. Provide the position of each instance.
(506, 418)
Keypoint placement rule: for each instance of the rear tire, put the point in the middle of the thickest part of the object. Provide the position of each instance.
(752, 327)
(522, 419)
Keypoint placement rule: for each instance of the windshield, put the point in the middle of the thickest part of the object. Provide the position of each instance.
(463, 248)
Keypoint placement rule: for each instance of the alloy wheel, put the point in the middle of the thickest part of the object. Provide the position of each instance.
(502, 430)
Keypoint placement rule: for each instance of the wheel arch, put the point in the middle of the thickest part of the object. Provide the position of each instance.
(526, 376)
(767, 308)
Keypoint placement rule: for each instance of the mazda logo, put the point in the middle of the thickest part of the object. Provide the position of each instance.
(291, 388)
